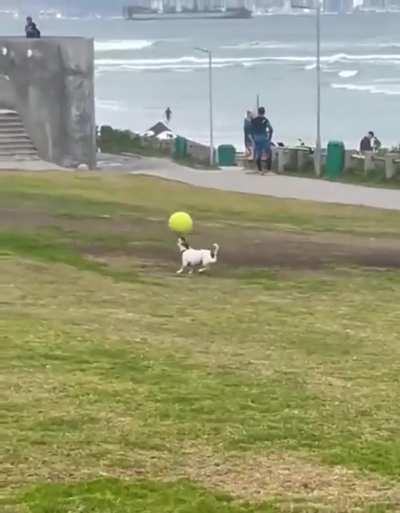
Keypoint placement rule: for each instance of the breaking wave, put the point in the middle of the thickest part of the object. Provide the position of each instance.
(113, 45)
(373, 44)
(370, 88)
(255, 45)
(348, 73)
(191, 62)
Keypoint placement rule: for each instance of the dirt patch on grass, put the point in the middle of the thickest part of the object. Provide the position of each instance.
(270, 249)
(71, 466)
(308, 251)
(291, 480)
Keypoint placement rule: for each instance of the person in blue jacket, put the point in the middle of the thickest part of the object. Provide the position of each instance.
(261, 130)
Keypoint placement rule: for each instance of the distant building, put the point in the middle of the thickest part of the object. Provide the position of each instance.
(338, 6)
(160, 131)
(269, 5)
(374, 5)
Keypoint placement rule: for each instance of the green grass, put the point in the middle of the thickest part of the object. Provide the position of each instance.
(121, 141)
(117, 496)
(106, 194)
(124, 388)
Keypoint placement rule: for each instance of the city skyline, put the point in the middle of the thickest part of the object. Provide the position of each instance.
(82, 7)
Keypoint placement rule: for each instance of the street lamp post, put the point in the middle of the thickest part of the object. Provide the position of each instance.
(316, 5)
(210, 101)
(318, 140)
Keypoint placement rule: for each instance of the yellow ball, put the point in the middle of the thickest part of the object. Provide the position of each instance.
(180, 222)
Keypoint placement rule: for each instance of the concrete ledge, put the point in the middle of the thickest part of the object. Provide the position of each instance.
(49, 82)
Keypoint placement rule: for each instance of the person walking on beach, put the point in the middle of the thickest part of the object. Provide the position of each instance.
(248, 141)
(168, 114)
(31, 30)
(262, 131)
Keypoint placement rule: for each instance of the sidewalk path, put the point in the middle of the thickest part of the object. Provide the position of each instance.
(237, 180)
(278, 186)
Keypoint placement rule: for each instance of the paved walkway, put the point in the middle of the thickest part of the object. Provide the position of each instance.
(279, 186)
(239, 180)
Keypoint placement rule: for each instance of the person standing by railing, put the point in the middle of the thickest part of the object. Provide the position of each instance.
(247, 129)
(31, 30)
(262, 135)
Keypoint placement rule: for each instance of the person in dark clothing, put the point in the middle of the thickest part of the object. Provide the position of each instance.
(262, 131)
(31, 30)
(248, 141)
(376, 144)
(366, 142)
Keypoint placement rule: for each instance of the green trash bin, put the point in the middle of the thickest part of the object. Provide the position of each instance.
(180, 151)
(226, 155)
(335, 159)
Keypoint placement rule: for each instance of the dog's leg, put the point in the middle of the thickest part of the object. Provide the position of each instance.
(203, 269)
(184, 268)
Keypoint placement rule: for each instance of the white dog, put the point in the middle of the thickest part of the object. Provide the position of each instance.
(192, 258)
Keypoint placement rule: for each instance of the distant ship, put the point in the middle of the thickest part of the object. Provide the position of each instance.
(50, 13)
(177, 11)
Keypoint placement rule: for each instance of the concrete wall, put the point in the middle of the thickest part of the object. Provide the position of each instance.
(198, 152)
(50, 83)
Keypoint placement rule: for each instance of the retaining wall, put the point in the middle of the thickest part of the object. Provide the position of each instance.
(50, 83)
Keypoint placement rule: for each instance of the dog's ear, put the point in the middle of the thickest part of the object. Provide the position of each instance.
(183, 241)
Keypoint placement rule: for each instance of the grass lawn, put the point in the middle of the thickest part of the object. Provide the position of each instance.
(125, 389)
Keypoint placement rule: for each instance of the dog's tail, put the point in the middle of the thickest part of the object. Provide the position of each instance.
(214, 251)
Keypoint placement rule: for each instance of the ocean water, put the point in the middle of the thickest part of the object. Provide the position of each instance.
(143, 67)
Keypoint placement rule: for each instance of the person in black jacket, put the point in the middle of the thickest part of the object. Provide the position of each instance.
(366, 142)
(31, 30)
(262, 131)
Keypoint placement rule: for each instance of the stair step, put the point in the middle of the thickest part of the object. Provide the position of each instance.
(14, 150)
(17, 146)
(14, 141)
(14, 138)
(4, 128)
(13, 153)
(9, 126)
(18, 158)
(7, 121)
(9, 137)
(9, 117)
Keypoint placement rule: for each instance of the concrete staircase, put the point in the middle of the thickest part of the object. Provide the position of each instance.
(15, 143)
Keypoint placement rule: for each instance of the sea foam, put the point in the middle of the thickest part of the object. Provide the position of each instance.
(113, 45)
(369, 88)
